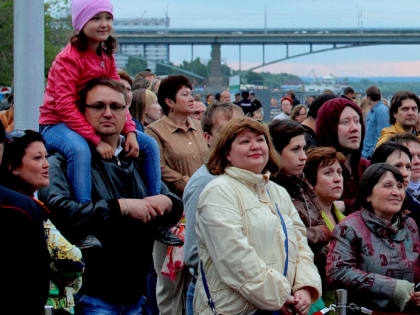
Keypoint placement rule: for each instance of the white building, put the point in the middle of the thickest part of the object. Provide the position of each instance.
(153, 53)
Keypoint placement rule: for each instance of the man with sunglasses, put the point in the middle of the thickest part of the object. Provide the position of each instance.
(25, 257)
(122, 217)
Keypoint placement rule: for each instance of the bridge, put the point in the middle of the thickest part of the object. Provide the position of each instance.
(226, 36)
(336, 38)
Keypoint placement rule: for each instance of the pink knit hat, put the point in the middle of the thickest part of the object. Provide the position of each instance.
(83, 10)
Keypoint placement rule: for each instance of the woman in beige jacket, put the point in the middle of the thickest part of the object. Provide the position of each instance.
(242, 244)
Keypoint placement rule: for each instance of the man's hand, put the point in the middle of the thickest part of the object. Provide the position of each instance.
(105, 150)
(160, 203)
(302, 301)
(138, 209)
(131, 145)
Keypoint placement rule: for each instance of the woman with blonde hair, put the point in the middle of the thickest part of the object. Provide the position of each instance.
(252, 243)
(299, 113)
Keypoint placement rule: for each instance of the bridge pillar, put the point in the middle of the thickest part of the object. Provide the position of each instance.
(216, 80)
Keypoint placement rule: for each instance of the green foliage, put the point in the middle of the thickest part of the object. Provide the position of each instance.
(387, 88)
(197, 67)
(253, 78)
(58, 28)
(6, 42)
(135, 65)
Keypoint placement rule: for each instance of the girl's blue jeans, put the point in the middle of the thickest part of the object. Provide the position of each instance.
(60, 138)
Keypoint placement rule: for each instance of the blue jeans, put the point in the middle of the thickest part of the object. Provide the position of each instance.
(74, 147)
(190, 298)
(150, 162)
(88, 305)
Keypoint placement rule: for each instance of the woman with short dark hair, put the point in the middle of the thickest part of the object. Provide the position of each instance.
(183, 150)
(25, 170)
(180, 137)
(374, 252)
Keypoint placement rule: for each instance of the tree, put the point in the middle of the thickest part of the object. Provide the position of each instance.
(57, 28)
(135, 65)
(6, 43)
(197, 67)
(254, 78)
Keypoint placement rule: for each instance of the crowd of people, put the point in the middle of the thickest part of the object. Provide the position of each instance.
(135, 197)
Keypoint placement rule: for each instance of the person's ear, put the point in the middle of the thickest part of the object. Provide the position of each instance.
(228, 157)
(15, 172)
(207, 137)
(170, 103)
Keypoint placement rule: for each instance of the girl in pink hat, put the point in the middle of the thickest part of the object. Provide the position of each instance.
(88, 55)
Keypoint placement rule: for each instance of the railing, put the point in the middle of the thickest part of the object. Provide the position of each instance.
(341, 307)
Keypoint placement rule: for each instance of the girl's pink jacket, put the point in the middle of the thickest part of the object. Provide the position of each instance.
(69, 73)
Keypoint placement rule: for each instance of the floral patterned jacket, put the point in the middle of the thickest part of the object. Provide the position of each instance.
(366, 257)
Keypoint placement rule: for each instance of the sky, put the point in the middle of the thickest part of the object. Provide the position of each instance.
(386, 60)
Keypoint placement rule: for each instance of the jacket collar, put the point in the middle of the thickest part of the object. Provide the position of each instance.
(394, 232)
(249, 178)
(174, 128)
(399, 129)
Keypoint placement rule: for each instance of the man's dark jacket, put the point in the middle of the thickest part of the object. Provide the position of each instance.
(116, 270)
(25, 257)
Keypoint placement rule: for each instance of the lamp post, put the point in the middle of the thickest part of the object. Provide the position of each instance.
(28, 59)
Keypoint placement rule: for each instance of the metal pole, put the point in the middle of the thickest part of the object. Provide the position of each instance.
(341, 301)
(192, 53)
(240, 58)
(263, 54)
(28, 55)
(48, 310)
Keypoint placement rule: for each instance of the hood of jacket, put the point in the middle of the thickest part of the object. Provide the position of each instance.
(394, 232)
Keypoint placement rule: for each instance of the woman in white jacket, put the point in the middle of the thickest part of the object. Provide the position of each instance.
(249, 262)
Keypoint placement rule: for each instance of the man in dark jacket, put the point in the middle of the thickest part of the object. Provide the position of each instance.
(246, 104)
(25, 258)
(122, 217)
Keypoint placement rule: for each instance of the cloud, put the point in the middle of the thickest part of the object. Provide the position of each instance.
(361, 69)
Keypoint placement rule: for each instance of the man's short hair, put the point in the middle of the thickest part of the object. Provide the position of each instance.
(317, 103)
(397, 100)
(245, 94)
(144, 74)
(91, 84)
(124, 76)
(291, 93)
(404, 138)
(348, 90)
(207, 123)
(168, 89)
(373, 93)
